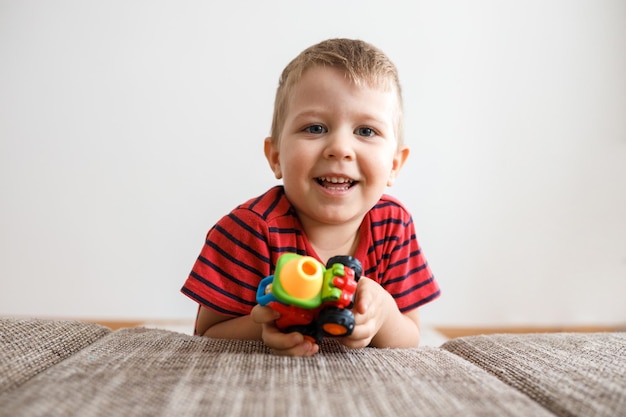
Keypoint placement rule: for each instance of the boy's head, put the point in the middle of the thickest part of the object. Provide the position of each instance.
(337, 132)
(361, 62)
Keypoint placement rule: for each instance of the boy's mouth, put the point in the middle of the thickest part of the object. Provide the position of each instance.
(336, 183)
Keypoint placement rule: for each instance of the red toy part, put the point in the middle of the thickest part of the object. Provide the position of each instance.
(291, 315)
(348, 286)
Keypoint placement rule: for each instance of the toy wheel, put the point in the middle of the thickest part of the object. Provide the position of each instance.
(349, 262)
(336, 321)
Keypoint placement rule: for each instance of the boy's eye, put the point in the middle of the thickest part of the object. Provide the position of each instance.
(365, 131)
(315, 129)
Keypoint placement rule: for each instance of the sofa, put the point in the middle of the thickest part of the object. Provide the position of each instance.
(72, 368)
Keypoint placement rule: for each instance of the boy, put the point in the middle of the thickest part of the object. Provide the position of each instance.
(336, 143)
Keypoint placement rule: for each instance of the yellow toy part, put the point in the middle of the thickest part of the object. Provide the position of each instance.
(302, 277)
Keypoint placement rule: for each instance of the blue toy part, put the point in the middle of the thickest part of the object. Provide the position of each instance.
(263, 296)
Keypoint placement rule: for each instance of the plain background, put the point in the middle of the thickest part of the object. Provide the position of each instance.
(127, 128)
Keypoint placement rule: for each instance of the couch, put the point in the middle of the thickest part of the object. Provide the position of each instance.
(71, 368)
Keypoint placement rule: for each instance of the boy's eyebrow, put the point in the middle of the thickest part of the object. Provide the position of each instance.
(368, 117)
(310, 112)
(307, 114)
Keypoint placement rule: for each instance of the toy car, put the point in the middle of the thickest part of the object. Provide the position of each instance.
(311, 298)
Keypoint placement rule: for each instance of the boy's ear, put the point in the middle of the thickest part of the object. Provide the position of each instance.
(271, 154)
(398, 162)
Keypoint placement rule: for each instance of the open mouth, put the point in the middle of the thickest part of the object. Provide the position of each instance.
(336, 183)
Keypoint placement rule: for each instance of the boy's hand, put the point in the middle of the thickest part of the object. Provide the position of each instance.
(371, 309)
(287, 344)
(379, 322)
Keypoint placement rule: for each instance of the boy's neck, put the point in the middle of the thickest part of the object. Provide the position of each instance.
(332, 240)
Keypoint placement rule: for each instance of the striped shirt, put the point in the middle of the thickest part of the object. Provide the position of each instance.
(243, 247)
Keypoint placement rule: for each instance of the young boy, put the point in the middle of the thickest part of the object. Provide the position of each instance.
(336, 143)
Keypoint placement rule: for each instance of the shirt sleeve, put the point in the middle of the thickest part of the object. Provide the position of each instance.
(402, 267)
(233, 260)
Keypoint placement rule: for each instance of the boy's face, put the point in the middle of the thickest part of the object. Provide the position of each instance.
(338, 150)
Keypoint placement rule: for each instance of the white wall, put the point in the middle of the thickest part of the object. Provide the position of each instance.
(128, 128)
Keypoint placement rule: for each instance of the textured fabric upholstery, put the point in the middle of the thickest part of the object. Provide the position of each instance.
(142, 372)
(28, 347)
(50, 368)
(571, 374)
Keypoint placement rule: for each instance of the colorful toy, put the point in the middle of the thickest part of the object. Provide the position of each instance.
(312, 299)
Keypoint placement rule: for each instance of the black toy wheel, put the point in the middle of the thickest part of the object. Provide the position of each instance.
(336, 322)
(349, 262)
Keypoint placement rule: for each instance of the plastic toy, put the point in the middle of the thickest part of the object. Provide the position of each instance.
(312, 299)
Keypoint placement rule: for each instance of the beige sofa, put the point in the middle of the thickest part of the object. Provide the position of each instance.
(69, 368)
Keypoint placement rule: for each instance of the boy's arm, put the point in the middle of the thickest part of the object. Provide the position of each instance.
(212, 324)
(400, 331)
(379, 322)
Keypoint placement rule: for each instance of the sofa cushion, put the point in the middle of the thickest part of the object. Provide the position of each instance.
(149, 372)
(30, 346)
(571, 374)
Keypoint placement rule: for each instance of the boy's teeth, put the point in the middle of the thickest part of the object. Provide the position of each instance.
(336, 180)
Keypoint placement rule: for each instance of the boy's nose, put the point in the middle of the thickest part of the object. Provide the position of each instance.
(339, 146)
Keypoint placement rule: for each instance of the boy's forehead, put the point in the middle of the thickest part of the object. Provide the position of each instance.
(316, 81)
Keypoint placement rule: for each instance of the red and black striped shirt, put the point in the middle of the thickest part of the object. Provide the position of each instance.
(243, 247)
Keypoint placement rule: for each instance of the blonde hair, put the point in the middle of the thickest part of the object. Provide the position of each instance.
(362, 63)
